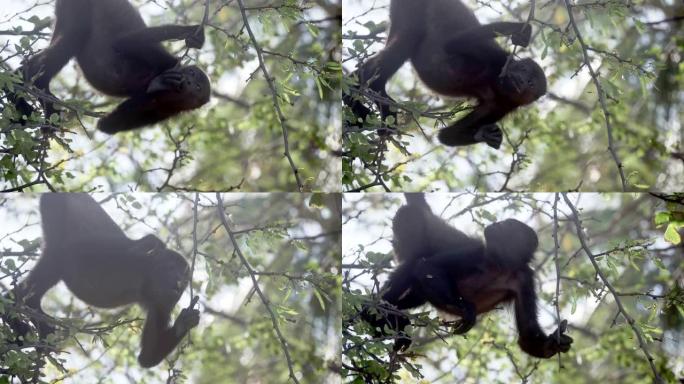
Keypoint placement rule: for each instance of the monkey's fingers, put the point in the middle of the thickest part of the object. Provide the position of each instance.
(561, 341)
(523, 38)
(171, 80)
(565, 343)
(562, 327)
(193, 301)
(196, 39)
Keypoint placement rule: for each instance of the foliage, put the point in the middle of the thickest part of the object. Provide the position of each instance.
(234, 143)
(635, 288)
(561, 142)
(290, 243)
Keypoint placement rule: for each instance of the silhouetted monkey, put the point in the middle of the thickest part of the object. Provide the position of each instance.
(459, 275)
(455, 56)
(120, 56)
(83, 247)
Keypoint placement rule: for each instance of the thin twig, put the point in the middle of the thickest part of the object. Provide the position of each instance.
(601, 95)
(274, 95)
(556, 247)
(616, 296)
(255, 283)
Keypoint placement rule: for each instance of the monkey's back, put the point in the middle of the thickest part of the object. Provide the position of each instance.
(445, 74)
(108, 70)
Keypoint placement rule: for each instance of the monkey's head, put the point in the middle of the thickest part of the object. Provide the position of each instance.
(196, 84)
(191, 85)
(510, 243)
(524, 81)
(167, 278)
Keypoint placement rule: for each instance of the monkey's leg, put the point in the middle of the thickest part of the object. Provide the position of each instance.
(70, 33)
(404, 36)
(532, 338)
(31, 290)
(158, 339)
(479, 126)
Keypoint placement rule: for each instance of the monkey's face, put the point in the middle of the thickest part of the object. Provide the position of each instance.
(195, 85)
(186, 87)
(168, 278)
(524, 82)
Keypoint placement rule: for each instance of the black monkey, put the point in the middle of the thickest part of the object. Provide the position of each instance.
(84, 247)
(459, 275)
(455, 56)
(120, 56)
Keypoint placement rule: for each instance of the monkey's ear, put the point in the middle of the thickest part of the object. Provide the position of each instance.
(511, 242)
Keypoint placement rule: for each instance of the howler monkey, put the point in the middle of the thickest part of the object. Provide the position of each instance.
(459, 275)
(83, 247)
(120, 56)
(455, 56)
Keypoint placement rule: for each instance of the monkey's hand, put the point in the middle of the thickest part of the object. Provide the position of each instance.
(196, 37)
(186, 320)
(522, 38)
(169, 80)
(490, 134)
(558, 341)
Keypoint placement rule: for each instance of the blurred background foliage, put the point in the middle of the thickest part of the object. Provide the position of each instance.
(640, 264)
(292, 242)
(233, 143)
(561, 141)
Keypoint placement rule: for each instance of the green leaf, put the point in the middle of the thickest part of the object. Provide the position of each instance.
(662, 218)
(671, 234)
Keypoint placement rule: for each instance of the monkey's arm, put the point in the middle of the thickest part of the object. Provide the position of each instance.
(158, 340)
(532, 338)
(479, 126)
(193, 34)
(143, 45)
(140, 111)
(401, 291)
(520, 32)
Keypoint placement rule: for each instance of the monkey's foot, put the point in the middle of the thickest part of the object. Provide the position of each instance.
(490, 134)
(558, 341)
